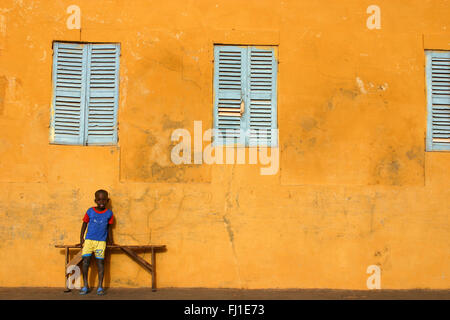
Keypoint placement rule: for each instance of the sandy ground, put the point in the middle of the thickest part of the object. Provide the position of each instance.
(221, 294)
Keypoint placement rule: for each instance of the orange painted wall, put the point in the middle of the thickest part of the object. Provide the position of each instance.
(355, 186)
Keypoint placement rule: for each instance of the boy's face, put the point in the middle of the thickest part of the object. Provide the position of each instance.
(101, 199)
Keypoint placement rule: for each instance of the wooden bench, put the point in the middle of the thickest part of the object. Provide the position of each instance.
(128, 250)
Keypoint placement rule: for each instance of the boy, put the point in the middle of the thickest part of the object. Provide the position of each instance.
(99, 232)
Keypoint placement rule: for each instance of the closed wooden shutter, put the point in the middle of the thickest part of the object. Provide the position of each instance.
(85, 94)
(69, 81)
(102, 94)
(245, 95)
(262, 117)
(229, 81)
(438, 100)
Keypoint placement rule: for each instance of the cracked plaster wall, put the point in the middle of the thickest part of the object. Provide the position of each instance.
(355, 186)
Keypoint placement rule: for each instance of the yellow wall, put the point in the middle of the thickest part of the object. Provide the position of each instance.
(355, 186)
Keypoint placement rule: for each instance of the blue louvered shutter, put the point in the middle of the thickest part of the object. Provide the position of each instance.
(438, 100)
(262, 97)
(68, 106)
(102, 94)
(230, 65)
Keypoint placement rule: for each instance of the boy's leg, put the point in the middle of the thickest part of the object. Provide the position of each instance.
(100, 256)
(85, 269)
(101, 268)
(87, 250)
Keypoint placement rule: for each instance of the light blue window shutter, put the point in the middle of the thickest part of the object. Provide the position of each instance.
(262, 96)
(438, 100)
(102, 94)
(230, 65)
(69, 80)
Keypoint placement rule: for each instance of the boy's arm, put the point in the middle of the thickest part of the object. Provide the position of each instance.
(83, 229)
(109, 239)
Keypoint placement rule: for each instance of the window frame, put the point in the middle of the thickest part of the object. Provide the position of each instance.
(244, 141)
(85, 92)
(430, 144)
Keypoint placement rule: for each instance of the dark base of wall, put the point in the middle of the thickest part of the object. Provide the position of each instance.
(39, 293)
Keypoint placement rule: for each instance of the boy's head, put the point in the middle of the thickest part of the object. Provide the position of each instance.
(101, 199)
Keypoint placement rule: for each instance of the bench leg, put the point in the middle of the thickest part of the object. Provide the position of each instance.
(153, 270)
(66, 289)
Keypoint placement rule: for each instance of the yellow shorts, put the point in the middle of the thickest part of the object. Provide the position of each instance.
(98, 247)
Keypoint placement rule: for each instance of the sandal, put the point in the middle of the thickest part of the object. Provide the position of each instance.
(100, 291)
(84, 290)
